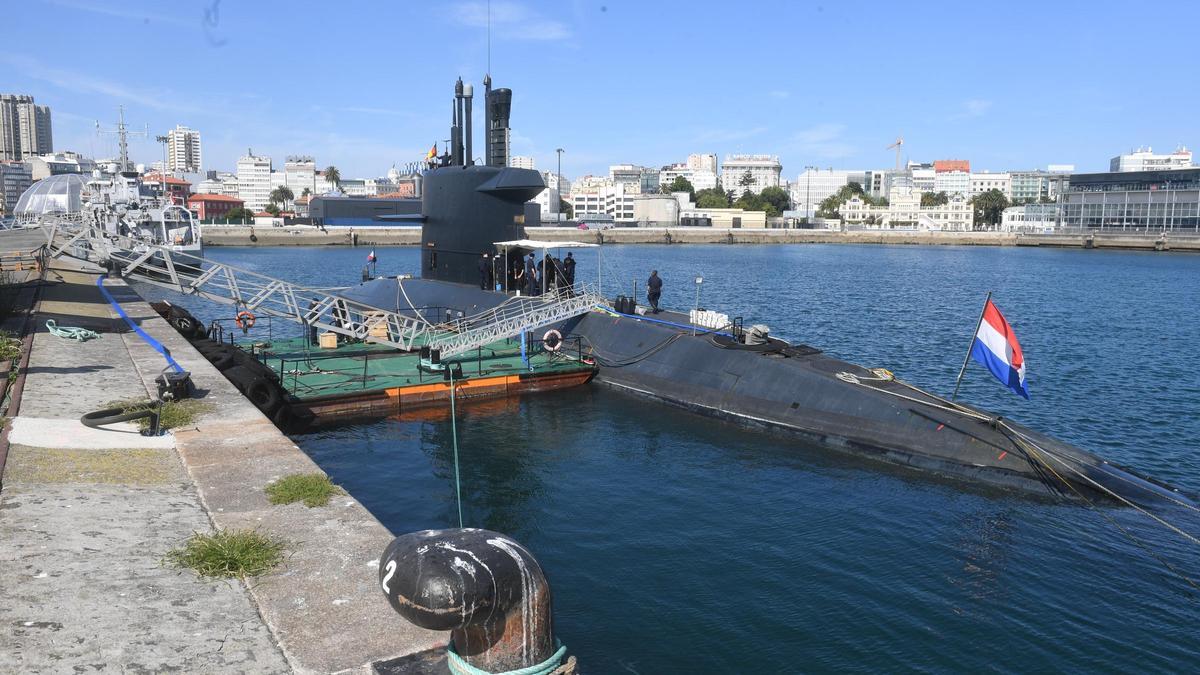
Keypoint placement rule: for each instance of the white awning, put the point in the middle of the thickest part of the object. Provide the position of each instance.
(537, 243)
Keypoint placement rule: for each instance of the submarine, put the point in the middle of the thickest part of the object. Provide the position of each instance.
(747, 377)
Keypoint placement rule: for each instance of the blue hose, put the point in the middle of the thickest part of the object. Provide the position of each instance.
(158, 347)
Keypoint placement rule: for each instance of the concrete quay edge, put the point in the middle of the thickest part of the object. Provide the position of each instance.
(240, 235)
(323, 605)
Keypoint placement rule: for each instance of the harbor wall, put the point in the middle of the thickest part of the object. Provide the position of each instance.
(247, 235)
(321, 608)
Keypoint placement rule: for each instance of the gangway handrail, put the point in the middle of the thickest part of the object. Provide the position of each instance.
(194, 275)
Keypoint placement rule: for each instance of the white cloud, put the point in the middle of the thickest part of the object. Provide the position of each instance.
(119, 13)
(510, 20)
(90, 84)
(779, 93)
(974, 107)
(823, 140)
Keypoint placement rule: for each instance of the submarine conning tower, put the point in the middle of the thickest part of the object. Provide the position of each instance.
(466, 207)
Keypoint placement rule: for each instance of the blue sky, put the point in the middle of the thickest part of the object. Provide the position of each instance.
(363, 85)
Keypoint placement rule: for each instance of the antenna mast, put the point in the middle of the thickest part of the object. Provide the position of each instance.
(122, 136)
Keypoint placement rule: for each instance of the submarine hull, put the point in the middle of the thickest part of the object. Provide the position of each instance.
(820, 399)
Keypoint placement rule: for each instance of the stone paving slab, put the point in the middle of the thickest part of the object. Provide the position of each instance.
(66, 378)
(83, 587)
(84, 525)
(322, 608)
(44, 432)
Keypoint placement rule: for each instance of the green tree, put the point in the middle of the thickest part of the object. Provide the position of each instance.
(712, 199)
(777, 198)
(680, 184)
(746, 180)
(281, 195)
(934, 199)
(830, 207)
(565, 208)
(240, 213)
(306, 192)
(989, 207)
(333, 176)
(272, 208)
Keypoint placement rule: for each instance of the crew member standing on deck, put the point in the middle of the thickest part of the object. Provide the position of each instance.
(569, 269)
(551, 265)
(654, 290)
(484, 266)
(531, 278)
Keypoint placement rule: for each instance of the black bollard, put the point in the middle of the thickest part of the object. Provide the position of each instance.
(481, 585)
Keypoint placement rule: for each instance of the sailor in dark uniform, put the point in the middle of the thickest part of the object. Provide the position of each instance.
(531, 280)
(569, 269)
(654, 290)
(484, 268)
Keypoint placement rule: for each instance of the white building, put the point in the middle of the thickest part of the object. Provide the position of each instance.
(706, 162)
(592, 196)
(183, 150)
(626, 174)
(1144, 159)
(764, 172)
(924, 178)
(701, 179)
(656, 210)
(952, 182)
(904, 211)
(254, 181)
(521, 162)
(983, 181)
(44, 166)
(816, 185)
(219, 183)
(1040, 218)
(300, 174)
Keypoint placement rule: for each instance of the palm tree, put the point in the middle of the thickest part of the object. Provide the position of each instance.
(333, 176)
(282, 195)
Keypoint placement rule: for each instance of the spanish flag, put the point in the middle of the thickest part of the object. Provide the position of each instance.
(432, 152)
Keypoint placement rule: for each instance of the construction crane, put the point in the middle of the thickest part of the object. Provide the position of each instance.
(897, 145)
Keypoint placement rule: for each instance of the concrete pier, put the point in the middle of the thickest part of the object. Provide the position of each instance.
(86, 517)
(241, 235)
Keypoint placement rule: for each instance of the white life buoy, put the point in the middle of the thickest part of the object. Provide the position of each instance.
(552, 340)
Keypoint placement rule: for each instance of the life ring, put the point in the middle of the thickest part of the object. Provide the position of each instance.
(244, 320)
(552, 340)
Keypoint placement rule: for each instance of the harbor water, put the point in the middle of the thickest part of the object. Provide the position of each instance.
(675, 543)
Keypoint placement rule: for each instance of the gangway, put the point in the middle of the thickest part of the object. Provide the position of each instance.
(513, 316)
(250, 291)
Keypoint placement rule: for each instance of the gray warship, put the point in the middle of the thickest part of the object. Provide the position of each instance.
(728, 373)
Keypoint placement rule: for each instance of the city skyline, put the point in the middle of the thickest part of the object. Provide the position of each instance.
(812, 86)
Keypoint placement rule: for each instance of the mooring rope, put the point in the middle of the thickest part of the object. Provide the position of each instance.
(1036, 454)
(71, 332)
(454, 437)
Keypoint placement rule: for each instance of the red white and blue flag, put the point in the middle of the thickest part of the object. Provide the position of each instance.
(997, 348)
(371, 256)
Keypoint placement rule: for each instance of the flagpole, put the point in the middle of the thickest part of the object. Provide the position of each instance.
(971, 346)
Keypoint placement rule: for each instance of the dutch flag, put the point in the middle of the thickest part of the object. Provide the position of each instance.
(997, 348)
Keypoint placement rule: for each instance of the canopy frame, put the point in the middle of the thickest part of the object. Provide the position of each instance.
(545, 246)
